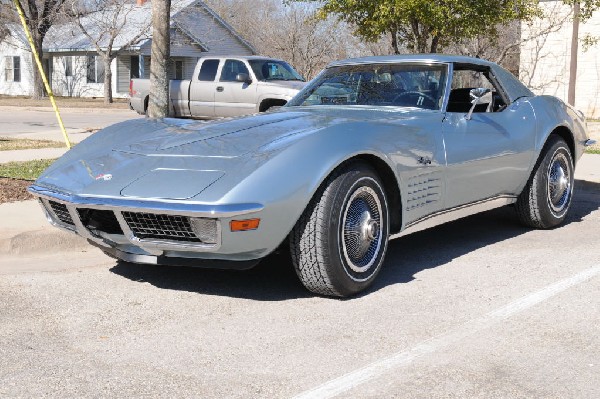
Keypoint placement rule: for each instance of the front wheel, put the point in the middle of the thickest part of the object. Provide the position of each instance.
(339, 243)
(546, 198)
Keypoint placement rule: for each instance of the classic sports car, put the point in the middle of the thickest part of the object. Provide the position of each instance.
(371, 149)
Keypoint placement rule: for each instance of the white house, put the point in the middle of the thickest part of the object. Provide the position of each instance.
(546, 57)
(15, 63)
(75, 69)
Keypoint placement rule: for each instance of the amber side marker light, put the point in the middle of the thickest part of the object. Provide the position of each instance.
(243, 225)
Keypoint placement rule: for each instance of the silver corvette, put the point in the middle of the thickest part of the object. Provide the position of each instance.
(371, 149)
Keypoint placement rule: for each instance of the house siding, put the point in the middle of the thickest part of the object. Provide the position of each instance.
(188, 67)
(545, 60)
(77, 85)
(216, 37)
(14, 48)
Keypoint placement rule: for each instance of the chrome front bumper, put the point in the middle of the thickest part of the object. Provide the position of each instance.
(128, 240)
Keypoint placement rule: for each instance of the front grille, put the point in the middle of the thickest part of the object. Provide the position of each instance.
(99, 220)
(160, 227)
(61, 212)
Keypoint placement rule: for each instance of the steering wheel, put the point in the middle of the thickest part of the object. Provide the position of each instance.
(420, 100)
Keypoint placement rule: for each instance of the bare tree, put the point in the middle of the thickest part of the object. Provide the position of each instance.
(507, 48)
(161, 49)
(111, 29)
(291, 32)
(535, 49)
(40, 15)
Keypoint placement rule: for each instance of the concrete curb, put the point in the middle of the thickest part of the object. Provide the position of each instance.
(24, 230)
(42, 242)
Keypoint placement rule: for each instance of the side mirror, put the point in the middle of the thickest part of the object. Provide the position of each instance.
(476, 95)
(243, 77)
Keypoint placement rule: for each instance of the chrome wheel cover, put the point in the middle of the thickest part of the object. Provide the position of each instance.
(559, 182)
(361, 229)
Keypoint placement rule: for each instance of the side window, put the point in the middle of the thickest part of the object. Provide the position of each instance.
(208, 70)
(463, 81)
(134, 72)
(68, 66)
(231, 70)
(179, 70)
(12, 69)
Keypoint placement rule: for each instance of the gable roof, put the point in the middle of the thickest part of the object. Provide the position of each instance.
(16, 32)
(191, 17)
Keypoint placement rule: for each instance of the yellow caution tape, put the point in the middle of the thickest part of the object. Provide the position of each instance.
(36, 56)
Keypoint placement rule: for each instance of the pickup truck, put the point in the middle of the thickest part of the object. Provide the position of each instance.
(224, 87)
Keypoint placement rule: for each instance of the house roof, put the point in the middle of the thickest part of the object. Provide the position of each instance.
(135, 31)
(17, 33)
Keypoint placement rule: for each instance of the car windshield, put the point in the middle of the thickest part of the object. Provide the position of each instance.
(408, 85)
(274, 70)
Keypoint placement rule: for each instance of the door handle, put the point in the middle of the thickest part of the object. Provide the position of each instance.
(220, 88)
(424, 161)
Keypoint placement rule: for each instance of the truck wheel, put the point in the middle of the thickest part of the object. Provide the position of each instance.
(146, 103)
(268, 104)
(339, 243)
(546, 198)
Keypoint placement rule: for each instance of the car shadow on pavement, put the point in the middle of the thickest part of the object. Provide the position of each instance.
(438, 246)
(275, 280)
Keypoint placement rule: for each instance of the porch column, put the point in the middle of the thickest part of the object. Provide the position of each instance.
(141, 65)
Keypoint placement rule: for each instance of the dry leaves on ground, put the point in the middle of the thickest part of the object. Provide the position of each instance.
(12, 190)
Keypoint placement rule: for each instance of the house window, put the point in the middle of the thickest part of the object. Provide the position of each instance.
(135, 66)
(12, 69)
(178, 70)
(68, 66)
(95, 69)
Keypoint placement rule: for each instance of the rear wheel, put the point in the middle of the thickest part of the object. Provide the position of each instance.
(339, 243)
(546, 199)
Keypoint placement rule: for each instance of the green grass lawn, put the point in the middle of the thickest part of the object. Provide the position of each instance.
(28, 170)
(8, 144)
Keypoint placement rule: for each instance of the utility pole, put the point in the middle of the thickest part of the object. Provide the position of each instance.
(158, 106)
(574, 51)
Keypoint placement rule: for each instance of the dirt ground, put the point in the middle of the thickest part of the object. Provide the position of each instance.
(63, 102)
(14, 190)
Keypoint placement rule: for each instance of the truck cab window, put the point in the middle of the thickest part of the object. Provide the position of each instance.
(208, 70)
(231, 69)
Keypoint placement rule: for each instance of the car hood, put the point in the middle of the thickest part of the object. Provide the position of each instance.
(225, 138)
(178, 159)
(286, 84)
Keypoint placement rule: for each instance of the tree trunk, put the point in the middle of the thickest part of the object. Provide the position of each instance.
(38, 84)
(395, 41)
(158, 106)
(574, 51)
(434, 44)
(108, 94)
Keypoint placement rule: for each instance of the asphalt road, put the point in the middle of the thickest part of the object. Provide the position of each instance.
(478, 308)
(41, 123)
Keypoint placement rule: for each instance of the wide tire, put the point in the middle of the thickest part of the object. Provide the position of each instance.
(546, 198)
(338, 245)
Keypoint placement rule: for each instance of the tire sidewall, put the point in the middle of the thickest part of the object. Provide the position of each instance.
(347, 280)
(548, 215)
